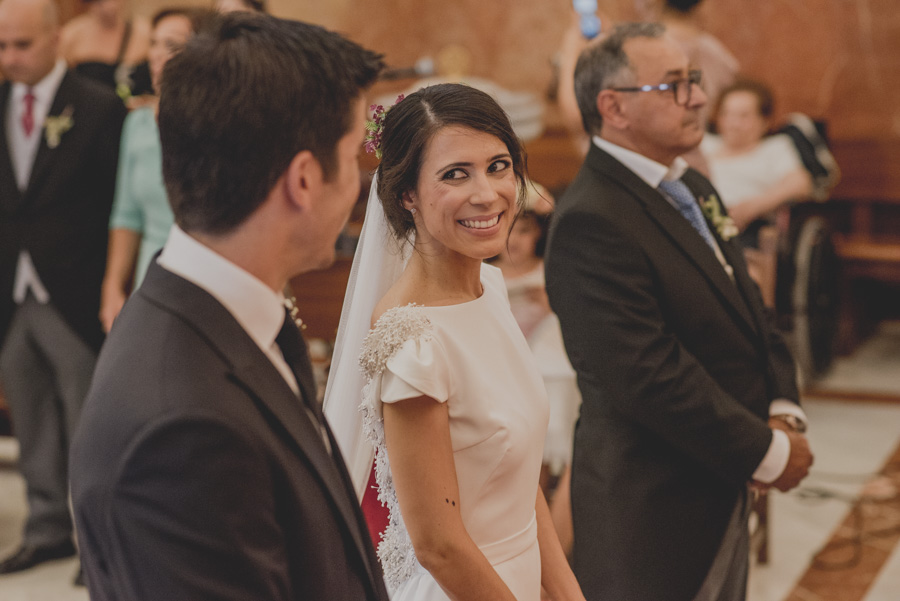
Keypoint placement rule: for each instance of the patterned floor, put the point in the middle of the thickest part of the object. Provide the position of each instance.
(834, 539)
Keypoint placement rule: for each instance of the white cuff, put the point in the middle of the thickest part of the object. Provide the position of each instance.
(776, 458)
(786, 407)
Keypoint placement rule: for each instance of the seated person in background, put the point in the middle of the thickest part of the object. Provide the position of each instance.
(107, 45)
(249, 6)
(522, 265)
(141, 216)
(755, 174)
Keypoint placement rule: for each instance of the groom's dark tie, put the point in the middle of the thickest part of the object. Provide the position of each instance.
(294, 351)
(688, 206)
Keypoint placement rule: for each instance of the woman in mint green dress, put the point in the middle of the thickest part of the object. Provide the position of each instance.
(141, 217)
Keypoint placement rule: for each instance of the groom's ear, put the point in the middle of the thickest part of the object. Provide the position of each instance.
(303, 180)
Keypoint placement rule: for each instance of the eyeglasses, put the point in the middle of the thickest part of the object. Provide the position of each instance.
(681, 88)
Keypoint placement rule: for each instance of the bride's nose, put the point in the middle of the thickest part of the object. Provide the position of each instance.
(485, 191)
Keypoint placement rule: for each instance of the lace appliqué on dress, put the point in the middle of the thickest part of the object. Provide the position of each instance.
(393, 329)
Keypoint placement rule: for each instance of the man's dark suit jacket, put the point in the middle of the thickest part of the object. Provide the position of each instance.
(62, 218)
(677, 367)
(196, 472)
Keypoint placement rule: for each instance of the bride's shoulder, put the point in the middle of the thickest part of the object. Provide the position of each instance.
(391, 330)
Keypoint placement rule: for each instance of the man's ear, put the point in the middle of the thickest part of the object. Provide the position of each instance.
(303, 180)
(611, 110)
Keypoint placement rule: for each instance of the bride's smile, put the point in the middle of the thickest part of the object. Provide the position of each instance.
(466, 195)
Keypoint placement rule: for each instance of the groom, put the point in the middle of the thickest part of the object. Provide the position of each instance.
(688, 394)
(203, 467)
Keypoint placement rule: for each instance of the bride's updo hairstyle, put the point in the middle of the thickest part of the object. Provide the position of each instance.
(409, 127)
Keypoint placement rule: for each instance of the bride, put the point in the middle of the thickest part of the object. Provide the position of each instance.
(452, 402)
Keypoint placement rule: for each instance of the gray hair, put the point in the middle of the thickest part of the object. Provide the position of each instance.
(601, 66)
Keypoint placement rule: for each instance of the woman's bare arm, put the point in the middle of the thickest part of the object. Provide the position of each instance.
(417, 436)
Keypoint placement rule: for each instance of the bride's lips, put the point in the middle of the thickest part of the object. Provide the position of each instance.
(483, 224)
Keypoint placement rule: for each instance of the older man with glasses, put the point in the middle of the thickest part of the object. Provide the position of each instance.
(689, 395)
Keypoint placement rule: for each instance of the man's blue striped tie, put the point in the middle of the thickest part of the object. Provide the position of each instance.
(688, 206)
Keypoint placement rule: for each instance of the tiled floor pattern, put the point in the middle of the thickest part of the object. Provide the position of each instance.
(861, 546)
(852, 442)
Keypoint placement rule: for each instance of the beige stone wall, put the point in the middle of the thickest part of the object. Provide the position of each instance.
(833, 59)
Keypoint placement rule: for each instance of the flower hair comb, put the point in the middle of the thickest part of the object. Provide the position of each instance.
(375, 125)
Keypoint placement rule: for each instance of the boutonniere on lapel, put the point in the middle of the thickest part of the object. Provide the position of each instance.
(724, 224)
(290, 303)
(57, 125)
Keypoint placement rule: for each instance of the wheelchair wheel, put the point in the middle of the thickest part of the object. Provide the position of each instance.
(815, 298)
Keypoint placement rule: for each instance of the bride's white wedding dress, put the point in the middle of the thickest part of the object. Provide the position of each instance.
(473, 357)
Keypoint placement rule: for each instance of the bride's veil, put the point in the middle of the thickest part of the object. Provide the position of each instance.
(378, 262)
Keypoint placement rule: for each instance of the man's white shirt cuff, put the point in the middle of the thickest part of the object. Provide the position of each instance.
(776, 458)
(786, 407)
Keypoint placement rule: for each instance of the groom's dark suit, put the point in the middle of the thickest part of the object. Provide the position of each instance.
(677, 368)
(197, 473)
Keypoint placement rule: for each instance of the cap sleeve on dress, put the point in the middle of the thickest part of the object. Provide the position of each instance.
(418, 368)
(402, 359)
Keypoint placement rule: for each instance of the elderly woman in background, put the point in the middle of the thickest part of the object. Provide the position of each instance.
(141, 217)
(755, 173)
(108, 46)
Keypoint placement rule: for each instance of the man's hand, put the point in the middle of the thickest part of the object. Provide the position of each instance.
(798, 464)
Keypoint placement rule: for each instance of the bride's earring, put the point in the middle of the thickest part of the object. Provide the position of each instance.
(412, 211)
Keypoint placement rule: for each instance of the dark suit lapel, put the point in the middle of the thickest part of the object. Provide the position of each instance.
(10, 195)
(678, 230)
(253, 371)
(733, 251)
(64, 100)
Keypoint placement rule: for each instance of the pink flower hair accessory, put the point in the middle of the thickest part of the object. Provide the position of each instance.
(375, 125)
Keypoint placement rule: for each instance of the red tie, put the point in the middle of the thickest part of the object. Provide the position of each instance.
(28, 115)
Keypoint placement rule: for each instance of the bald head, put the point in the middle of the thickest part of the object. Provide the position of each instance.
(29, 39)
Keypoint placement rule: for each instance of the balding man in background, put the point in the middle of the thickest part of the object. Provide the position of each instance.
(59, 139)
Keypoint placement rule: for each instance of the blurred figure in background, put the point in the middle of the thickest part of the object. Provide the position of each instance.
(141, 216)
(250, 6)
(59, 136)
(705, 52)
(522, 265)
(108, 45)
(755, 173)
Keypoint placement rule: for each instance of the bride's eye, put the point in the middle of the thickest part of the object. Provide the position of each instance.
(499, 165)
(453, 174)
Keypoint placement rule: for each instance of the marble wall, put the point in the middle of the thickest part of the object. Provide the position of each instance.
(837, 60)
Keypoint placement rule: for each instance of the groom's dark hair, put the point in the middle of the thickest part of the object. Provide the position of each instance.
(247, 94)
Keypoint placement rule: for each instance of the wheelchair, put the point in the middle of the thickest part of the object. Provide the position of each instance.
(799, 281)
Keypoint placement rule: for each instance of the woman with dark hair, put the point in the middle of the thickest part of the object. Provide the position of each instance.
(141, 217)
(452, 399)
(108, 46)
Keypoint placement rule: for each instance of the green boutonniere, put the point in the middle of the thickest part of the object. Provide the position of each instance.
(724, 224)
(56, 125)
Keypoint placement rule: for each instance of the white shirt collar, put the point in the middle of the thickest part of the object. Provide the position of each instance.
(647, 169)
(45, 90)
(255, 306)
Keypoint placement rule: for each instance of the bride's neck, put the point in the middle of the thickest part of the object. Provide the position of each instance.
(442, 281)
